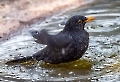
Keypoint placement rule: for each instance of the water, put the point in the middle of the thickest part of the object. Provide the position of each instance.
(100, 62)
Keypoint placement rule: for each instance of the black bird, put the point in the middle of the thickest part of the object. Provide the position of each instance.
(68, 45)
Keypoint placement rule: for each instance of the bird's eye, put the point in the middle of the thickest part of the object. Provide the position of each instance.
(79, 21)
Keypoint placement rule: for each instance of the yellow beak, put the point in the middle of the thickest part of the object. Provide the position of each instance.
(90, 19)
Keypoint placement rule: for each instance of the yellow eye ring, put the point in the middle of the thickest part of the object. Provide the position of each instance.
(79, 21)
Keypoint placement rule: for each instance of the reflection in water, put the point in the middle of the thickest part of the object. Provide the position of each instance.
(100, 62)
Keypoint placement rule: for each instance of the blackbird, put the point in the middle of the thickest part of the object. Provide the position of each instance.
(68, 45)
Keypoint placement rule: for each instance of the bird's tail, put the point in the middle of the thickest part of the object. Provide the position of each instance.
(21, 60)
(37, 56)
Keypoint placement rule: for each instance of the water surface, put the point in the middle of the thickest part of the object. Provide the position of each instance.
(99, 63)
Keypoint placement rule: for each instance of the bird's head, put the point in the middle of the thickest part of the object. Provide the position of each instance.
(77, 22)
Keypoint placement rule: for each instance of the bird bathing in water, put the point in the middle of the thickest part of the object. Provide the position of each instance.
(68, 45)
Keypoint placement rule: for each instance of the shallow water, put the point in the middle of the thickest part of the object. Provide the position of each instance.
(100, 62)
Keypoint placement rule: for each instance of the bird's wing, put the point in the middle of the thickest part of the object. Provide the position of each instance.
(59, 40)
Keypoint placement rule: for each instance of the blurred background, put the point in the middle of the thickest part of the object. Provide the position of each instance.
(101, 61)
